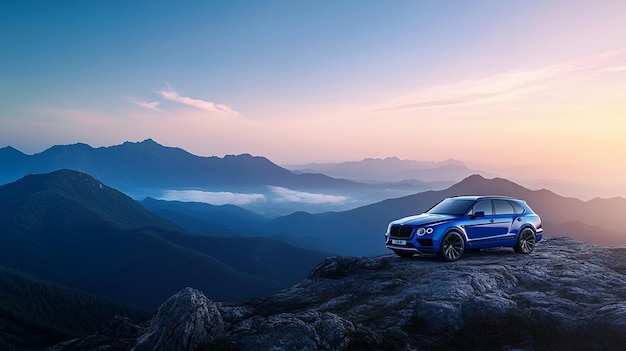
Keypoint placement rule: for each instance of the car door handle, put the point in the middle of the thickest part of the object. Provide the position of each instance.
(491, 220)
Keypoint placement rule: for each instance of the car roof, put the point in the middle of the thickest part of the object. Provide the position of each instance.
(481, 197)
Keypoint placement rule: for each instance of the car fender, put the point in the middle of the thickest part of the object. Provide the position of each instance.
(538, 231)
(454, 229)
(524, 226)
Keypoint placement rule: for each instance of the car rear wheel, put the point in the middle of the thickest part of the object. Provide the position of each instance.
(402, 253)
(525, 241)
(452, 247)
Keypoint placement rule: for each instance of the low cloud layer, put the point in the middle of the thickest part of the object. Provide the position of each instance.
(288, 195)
(213, 198)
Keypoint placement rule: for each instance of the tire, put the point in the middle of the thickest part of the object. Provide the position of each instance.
(402, 253)
(452, 247)
(526, 241)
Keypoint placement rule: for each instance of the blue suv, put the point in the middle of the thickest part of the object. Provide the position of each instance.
(464, 223)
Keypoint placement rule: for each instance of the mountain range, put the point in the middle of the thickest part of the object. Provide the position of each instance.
(148, 169)
(390, 169)
(148, 164)
(348, 228)
(69, 228)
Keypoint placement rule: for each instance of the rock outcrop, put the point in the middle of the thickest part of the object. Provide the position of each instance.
(567, 295)
(184, 322)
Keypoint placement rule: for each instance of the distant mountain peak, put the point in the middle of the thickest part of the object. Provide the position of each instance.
(66, 193)
(9, 151)
(146, 142)
(474, 178)
(149, 141)
(64, 180)
(480, 185)
(69, 147)
(243, 156)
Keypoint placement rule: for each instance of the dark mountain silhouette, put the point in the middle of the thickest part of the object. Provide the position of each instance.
(202, 218)
(12, 159)
(148, 164)
(360, 231)
(67, 227)
(233, 221)
(234, 228)
(36, 314)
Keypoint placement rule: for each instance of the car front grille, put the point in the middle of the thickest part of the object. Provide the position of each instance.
(398, 231)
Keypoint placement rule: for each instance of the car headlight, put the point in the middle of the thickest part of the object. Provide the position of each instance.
(421, 231)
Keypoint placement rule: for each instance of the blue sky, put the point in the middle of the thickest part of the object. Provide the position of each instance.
(320, 81)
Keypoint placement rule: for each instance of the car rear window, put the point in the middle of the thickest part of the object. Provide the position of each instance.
(517, 207)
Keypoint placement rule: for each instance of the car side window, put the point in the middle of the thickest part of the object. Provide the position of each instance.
(484, 205)
(502, 207)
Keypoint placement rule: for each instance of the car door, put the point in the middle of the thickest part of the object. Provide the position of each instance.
(481, 228)
(503, 216)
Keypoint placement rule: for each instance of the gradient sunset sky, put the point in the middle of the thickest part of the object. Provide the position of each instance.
(534, 87)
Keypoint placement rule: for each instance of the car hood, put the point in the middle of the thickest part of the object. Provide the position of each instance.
(422, 219)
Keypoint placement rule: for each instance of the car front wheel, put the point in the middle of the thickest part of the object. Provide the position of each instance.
(452, 247)
(525, 241)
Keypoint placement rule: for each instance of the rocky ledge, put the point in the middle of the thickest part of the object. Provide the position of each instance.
(567, 295)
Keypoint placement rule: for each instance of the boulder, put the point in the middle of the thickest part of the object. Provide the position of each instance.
(187, 321)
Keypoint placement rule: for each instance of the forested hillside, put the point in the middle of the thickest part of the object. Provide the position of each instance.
(35, 313)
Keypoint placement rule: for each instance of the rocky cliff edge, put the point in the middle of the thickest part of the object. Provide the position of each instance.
(567, 295)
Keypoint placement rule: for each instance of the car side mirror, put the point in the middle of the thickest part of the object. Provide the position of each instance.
(479, 214)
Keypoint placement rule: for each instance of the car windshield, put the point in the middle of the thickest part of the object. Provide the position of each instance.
(455, 207)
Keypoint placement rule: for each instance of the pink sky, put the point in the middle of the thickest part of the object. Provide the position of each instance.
(538, 89)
